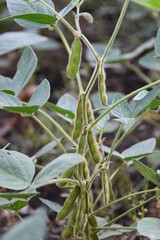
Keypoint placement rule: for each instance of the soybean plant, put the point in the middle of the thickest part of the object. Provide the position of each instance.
(88, 159)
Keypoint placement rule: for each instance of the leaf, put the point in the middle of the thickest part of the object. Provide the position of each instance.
(149, 227)
(47, 148)
(41, 95)
(62, 111)
(24, 110)
(150, 62)
(152, 4)
(140, 149)
(33, 17)
(68, 8)
(33, 227)
(56, 167)
(102, 124)
(140, 95)
(25, 7)
(122, 111)
(26, 67)
(52, 205)
(67, 102)
(16, 170)
(24, 195)
(8, 100)
(157, 44)
(142, 104)
(14, 40)
(147, 172)
(108, 149)
(14, 205)
(6, 83)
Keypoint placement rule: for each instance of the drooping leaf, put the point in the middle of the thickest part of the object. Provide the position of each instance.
(56, 167)
(16, 170)
(47, 148)
(26, 67)
(14, 40)
(147, 172)
(33, 17)
(149, 227)
(60, 110)
(139, 150)
(56, 207)
(144, 102)
(41, 95)
(33, 227)
(25, 7)
(122, 111)
(152, 4)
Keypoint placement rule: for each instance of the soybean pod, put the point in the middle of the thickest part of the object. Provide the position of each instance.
(68, 230)
(105, 186)
(93, 148)
(78, 121)
(67, 174)
(89, 110)
(102, 86)
(82, 143)
(69, 203)
(74, 58)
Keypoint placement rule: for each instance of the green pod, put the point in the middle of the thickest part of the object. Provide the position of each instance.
(93, 148)
(68, 230)
(106, 187)
(67, 174)
(102, 86)
(89, 110)
(80, 215)
(69, 203)
(78, 121)
(86, 174)
(82, 143)
(74, 58)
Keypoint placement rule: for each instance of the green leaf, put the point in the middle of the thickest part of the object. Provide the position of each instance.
(26, 67)
(60, 110)
(150, 62)
(139, 150)
(140, 95)
(122, 111)
(56, 167)
(16, 170)
(68, 8)
(157, 44)
(24, 7)
(69, 103)
(142, 104)
(23, 110)
(147, 172)
(33, 17)
(24, 195)
(52, 205)
(102, 124)
(6, 83)
(108, 149)
(33, 227)
(41, 95)
(14, 40)
(152, 4)
(14, 204)
(8, 100)
(149, 227)
(47, 148)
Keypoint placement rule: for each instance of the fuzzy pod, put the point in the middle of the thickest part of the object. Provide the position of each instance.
(80, 215)
(93, 148)
(69, 203)
(78, 121)
(105, 186)
(74, 58)
(87, 16)
(68, 230)
(89, 110)
(67, 174)
(86, 174)
(102, 86)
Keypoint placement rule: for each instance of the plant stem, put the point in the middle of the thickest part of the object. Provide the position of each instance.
(123, 198)
(17, 214)
(138, 72)
(58, 126)
(49, 132)
(115, 228)
(121, 100)
(116, 30)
